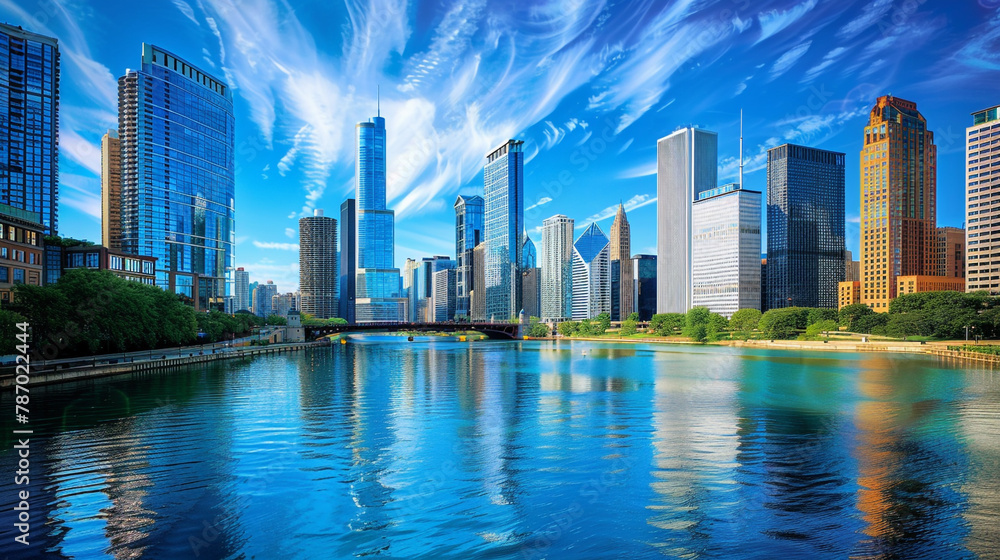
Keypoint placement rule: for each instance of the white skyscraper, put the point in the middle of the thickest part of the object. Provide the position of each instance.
(556, 262)
(591, 274)
(242, 296)
(982, 241)
(725, 250)
(686, 165)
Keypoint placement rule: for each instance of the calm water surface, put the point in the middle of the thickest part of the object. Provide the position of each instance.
(530, 450)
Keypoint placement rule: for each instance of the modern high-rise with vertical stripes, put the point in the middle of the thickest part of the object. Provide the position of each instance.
(982, 186)
(177, 130)
(319, 275)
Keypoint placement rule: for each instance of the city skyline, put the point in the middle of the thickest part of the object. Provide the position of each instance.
(811, 72)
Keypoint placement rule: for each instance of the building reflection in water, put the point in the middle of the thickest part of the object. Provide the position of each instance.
(695, 442)
(909, 459)
(978, 421)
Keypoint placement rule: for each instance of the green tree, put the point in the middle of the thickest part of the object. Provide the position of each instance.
(849, 314)
(276, 320)
(628, 327)
(717, 324)
(783, 323)
(745, 321)
(903, 325)
(568, 328)
(9, 331)
(665, 324)
(633, 316)
(604, 322)
(818, 314)
(814, 330)
(697, 317)
(537, 329)
(870, 324)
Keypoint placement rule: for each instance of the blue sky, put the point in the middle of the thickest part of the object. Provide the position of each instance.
(589, 85)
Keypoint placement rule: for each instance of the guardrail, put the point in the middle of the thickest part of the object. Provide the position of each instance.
(68, 370)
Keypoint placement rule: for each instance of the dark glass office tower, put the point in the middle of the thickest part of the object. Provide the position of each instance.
(644, 285)
(29, 123)
(805, 226)
(348, 256)
(176, 127)
(468, 234)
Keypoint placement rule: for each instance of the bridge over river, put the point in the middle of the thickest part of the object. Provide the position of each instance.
(499, 331)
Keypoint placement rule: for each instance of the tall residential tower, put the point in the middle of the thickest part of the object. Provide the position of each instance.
(982, 183)
(504, 221)
(318, 266)
(377, 288)
(111, 190)
(898, 200)
(176, 127)
(29, 124)
(556, 263)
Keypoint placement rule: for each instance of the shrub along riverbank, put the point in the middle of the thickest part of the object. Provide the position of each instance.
(91, 312)
(938, 315)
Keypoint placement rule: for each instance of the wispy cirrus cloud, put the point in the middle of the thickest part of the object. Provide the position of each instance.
(540, 202)
(276, 245)
(787, 60)
(774, 21)
(637, 201)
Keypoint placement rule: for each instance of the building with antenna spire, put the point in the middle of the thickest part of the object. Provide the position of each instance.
(378, 296)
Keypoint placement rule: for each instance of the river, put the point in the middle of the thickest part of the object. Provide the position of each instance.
(523, 450)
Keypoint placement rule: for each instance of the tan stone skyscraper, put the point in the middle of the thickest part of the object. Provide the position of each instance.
(898, 200)
(621, 267)
(111, 190)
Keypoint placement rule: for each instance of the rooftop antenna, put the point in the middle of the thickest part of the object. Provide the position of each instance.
(378, 101)
(741, 149)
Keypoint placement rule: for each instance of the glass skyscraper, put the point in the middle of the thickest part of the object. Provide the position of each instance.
(468, 234)
(377, 288)
(348, 254)
(504, 211)
(29, 123)
(591, 274)
(805, 226)
(644, 285)
(176, 127)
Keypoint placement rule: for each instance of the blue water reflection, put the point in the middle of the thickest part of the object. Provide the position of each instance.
(447, 449)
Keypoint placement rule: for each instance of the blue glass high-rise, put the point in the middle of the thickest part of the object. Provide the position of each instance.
(468, 234)
(29, 123)
(377, 288)
(504, 193)
(176, 126)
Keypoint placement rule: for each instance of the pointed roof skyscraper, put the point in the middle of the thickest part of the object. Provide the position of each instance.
(621, 266)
